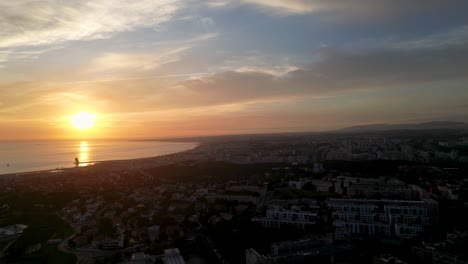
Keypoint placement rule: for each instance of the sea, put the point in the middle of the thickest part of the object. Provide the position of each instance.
(27, 156)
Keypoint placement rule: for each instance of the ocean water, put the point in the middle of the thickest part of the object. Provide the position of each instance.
(24, 156)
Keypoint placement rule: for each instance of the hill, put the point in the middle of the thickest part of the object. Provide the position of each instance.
(435, 125)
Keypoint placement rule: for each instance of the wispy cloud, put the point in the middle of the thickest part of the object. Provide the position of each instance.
(218, 3)
(138, 78)
(31, 23)
(288, 6)
(355, 9)
(136, 61)
(3, 57)
(153, 57)
(454, 37)
(19, 54)
(277, 71)
(457, 36)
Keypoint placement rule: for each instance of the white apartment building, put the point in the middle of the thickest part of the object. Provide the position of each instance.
(380, 218)
(278, 216)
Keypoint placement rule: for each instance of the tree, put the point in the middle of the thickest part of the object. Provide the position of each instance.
(106, 227)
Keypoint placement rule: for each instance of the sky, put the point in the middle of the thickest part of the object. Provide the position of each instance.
(180, 68)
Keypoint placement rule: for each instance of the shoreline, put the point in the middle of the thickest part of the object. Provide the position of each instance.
(94, 163)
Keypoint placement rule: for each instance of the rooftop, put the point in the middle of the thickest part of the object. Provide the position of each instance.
(173, 256)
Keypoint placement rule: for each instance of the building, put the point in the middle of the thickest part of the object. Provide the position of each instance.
(450, 251)
(297, 184)
(318, 168)
(384, 188)
(387, 260)
(11, 232)
(248, 188)
(430, 254)
(139, 258)
(321, 185)
(277, 216)
(110, 243)
(173, 256)
(8, 236)
(353, 218)
(309, 250)
(238, 198)
(154, 232)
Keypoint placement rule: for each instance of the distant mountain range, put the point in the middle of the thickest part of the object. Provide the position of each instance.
(435, 126)
(421, 126)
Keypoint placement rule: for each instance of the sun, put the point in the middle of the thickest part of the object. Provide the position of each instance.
(83, 120)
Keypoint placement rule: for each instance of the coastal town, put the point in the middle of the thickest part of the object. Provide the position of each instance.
(233, 132)
(286, 199)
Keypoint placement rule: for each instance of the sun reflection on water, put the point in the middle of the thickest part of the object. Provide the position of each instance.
(84, 153)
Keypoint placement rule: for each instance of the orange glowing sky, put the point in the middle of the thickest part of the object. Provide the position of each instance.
(165, 68)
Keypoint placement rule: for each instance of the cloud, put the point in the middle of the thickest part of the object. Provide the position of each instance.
(341, 69)
(19, 54)
(278, 71)
(337, 70)
(31, 23)
(288, 6)
(201, 37)
(137, 78)
(456, 36)
(4, 57)
(21, 100)
(165, 52)
(218, 3)
(136, 61)
(281, 6)
(334, 71)
(356, 9)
